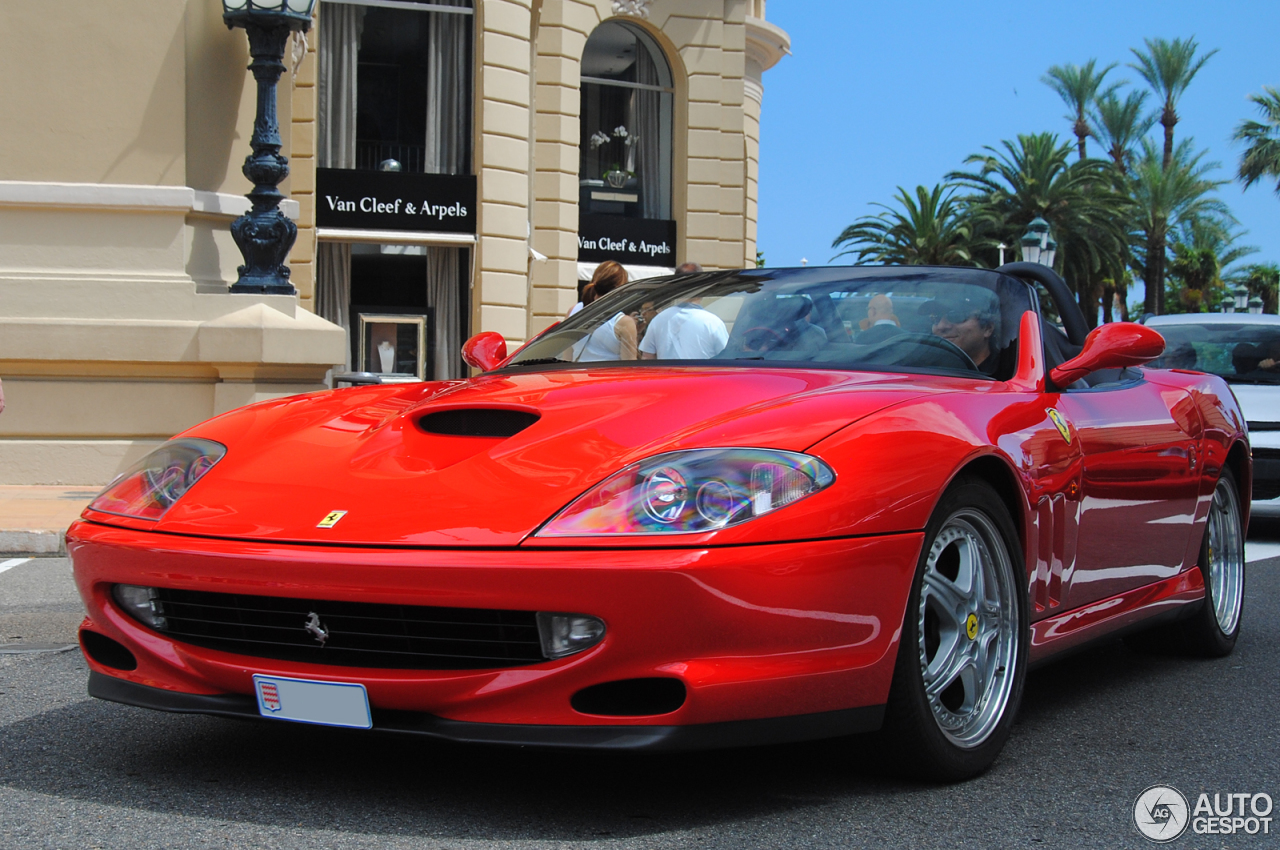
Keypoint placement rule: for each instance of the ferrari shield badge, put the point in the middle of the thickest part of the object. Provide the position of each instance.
(1060, 421)
(331, 518)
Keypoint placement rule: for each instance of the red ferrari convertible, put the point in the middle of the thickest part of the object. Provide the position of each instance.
(728, 508)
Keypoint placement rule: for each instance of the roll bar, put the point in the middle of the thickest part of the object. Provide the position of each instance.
(1072, 318)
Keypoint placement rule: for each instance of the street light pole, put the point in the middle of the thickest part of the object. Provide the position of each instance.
(265, 234)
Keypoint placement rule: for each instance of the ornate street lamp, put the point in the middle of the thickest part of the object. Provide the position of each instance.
(265, 234)
(1255, 304)
(1240, 298)
(1037, 247)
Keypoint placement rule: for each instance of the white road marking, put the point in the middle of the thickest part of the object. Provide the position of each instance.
(1254, 550)
(11, 563)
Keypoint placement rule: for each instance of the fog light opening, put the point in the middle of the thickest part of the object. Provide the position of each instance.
(631, 698)
(142, 604)
(566, 634)
(107, 652)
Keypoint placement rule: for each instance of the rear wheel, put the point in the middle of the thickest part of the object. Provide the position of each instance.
(962, 659)
(1213, 630)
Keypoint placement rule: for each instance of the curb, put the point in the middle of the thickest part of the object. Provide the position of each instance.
(32, 542)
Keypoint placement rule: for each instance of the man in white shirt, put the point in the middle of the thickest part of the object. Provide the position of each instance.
(685, 331)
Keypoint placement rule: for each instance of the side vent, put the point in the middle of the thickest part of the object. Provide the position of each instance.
(480, 422)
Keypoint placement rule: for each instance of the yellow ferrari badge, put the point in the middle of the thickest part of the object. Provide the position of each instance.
(331, 519)
(971, 626)
(1061, 423)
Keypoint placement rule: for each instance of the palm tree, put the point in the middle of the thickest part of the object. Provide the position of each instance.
(926, 231)
(1166, 197)
(1262, 152)
(1078, 86)
(1032, 178)
(1168, 67)
(1203, 247)
(1119, 124)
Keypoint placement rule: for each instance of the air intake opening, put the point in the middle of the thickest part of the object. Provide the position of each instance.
(483, 422)
(630, 698)
(107, 652)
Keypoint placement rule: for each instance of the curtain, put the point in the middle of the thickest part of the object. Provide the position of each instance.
(444, 269)
(333, 287)
(646, 122)
(340, 29)
(448, 137)
(448, 103)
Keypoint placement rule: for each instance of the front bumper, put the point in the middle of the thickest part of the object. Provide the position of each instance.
(702, 736)
(804, 631)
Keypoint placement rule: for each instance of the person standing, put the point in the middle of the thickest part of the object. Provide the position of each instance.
(616, 338)
(590, 292)
(686, 331)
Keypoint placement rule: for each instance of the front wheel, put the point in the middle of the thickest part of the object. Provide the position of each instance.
(962, 660)
(1213, 630)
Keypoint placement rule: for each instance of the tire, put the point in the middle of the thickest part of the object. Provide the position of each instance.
(1213, 629)
(962, 660)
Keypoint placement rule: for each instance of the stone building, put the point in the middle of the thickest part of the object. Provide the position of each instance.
(457, 166)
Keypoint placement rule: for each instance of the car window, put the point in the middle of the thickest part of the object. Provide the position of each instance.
(944, 321)
(1241, 352)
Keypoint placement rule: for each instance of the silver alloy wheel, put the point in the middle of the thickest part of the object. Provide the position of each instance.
(1225, 557)
(968, 628)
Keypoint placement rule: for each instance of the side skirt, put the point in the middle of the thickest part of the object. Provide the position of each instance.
(1167, 599)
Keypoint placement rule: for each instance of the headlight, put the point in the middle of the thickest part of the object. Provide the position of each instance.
(691, 491)
(152, 486)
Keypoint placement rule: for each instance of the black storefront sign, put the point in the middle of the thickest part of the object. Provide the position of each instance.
(393, 200)
(632, 241)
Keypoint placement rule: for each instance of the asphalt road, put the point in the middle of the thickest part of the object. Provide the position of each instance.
(1095, 730)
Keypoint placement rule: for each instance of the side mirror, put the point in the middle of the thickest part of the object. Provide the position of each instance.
(485, 351)
(1111, 346)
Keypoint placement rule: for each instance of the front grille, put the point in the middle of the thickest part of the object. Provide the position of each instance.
(359, 634)
(1266, 473)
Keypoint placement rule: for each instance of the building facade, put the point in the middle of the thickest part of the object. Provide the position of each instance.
(456, 166)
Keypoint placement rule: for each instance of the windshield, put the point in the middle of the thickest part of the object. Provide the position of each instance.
(944, 321)
(1238, 351)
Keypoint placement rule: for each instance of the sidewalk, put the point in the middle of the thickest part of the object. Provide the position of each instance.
(33, 518)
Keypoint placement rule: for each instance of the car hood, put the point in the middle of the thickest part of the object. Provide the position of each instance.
(367, 451)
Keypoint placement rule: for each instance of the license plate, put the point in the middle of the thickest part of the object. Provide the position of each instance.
(307, 701)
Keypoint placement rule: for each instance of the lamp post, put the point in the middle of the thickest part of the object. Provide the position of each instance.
(1239, 298)
(265, 234)
(1255, 304)
(1037, 246)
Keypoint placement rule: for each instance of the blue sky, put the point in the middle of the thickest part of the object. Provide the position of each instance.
(880, 95)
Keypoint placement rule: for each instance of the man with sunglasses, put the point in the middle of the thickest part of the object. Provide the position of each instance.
(968, 321)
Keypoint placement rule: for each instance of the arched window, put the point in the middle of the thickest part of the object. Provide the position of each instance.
(626, 124)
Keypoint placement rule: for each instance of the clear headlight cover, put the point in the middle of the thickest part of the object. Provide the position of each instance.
(692, 491)
(160, 479)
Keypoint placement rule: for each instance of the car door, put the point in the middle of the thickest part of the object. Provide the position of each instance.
(1139, 484)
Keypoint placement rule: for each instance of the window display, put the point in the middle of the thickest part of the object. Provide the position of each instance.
(394, 346)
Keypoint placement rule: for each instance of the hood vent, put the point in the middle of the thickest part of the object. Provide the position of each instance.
(482, 422)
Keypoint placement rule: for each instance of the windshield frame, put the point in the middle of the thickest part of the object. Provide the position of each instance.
(787, 282)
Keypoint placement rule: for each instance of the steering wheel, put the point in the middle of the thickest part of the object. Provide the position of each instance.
(904, 349)
(773, 335)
